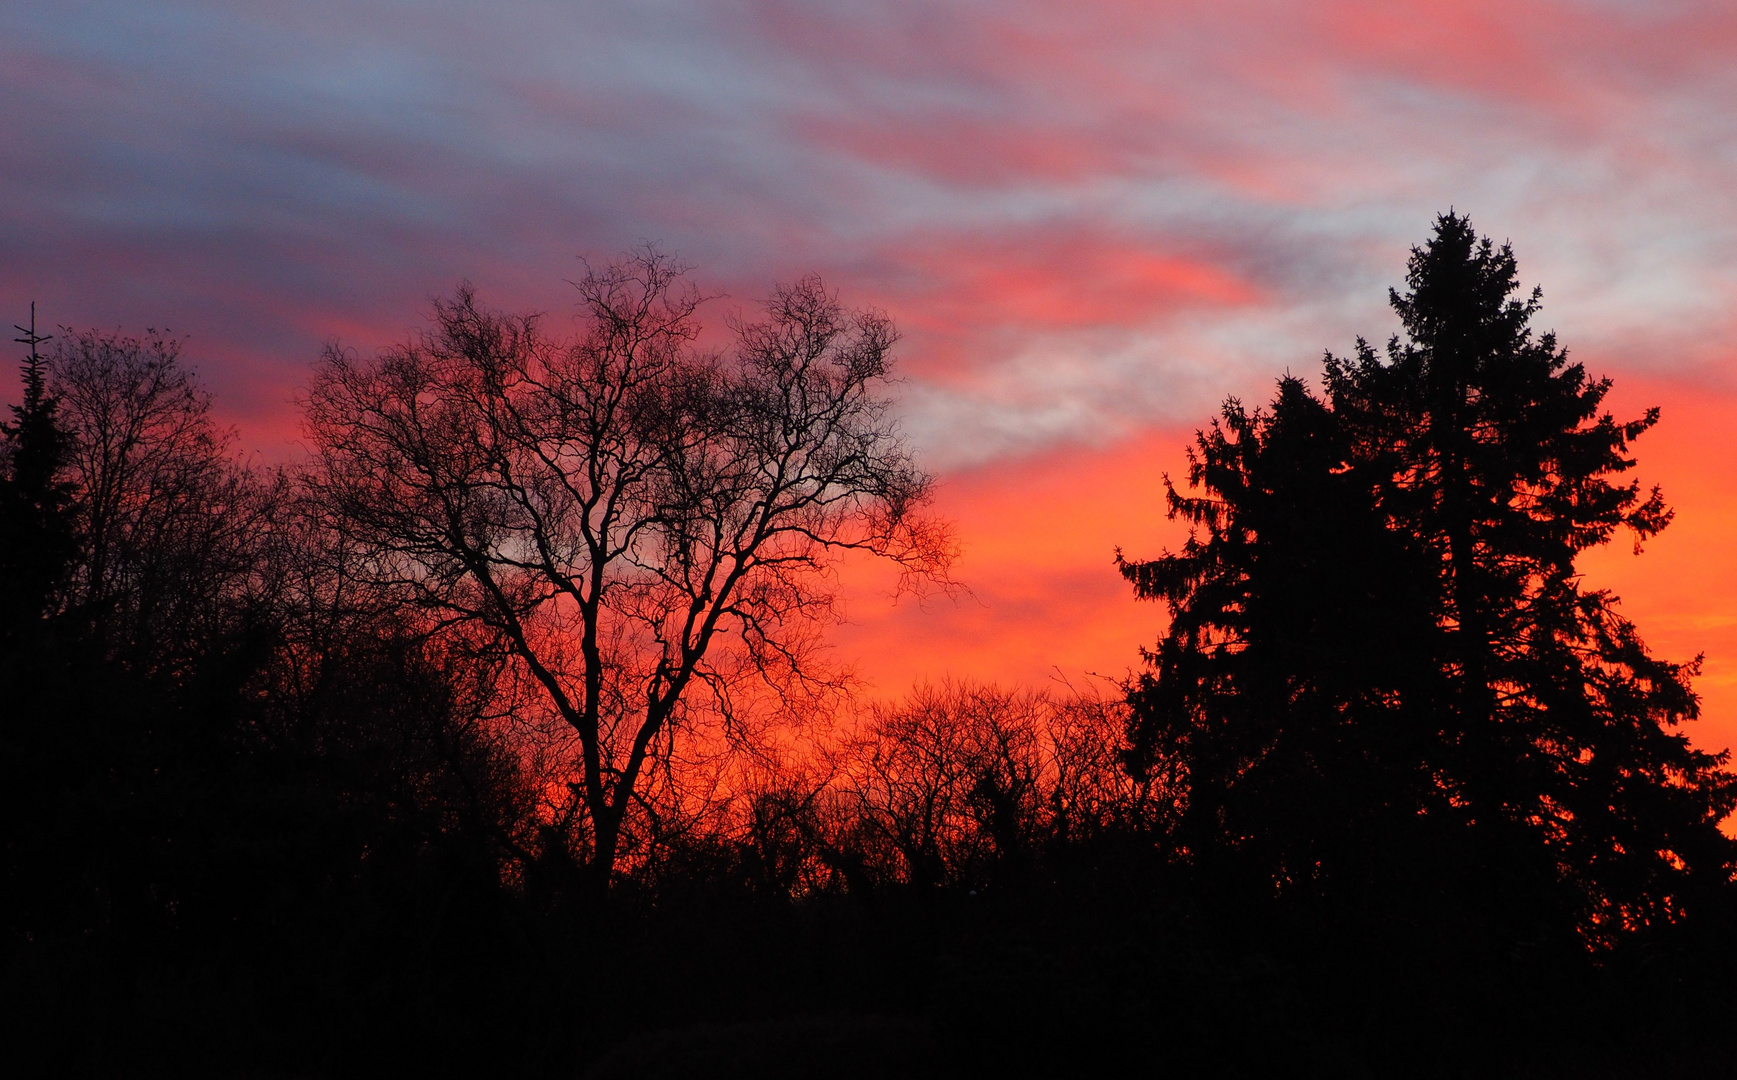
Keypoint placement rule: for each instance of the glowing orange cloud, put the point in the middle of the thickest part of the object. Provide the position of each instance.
(1055, 279)
(1137, 206)
(1682, 590)
(1039, 538)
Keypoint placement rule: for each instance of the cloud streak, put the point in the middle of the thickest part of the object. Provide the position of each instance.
(1092, 220)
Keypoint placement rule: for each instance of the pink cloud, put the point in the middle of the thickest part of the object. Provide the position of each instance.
(1039, 541)
(1059, 277)
(1017, 183)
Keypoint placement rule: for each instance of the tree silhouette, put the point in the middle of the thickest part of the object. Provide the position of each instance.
(36, 529)
(1280, 699)
(1496, 461)
(631, 520)
(36, 560)
(172, 529)
(303, 772)
(1383, 623)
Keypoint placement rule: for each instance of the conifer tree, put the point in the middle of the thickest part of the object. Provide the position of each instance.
(1283, 697)
(1498, 463)
(1451, 696)
(36, 554)
(36, 534)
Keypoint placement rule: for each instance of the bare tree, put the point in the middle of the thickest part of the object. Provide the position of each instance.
(171, 526)
(969, 783)
(355, 675)
(1092, 790)
(946, 785)
(645, 527)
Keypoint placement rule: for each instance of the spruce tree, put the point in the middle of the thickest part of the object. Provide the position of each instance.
(36, 555)
(1383, 671)
(36, 534)
(1497, 461)
(1290, 696)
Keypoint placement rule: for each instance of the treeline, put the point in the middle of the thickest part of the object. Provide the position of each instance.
(498, 735)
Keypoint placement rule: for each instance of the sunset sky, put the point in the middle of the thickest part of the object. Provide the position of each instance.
(1091, 220)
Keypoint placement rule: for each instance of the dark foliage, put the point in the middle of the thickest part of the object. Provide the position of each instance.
(1397, 796)
(1490, 455)
(1406, 738)
(36, 529)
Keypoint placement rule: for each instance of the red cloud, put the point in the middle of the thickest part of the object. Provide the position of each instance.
(1062, 278)
(1000, 177)
(1039, 538)
(1039, 542)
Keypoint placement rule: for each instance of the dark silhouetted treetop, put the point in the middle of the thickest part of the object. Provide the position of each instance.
(1384, 615)
(1283, 699)
(170, 525)
(36, 528)
(647, 530)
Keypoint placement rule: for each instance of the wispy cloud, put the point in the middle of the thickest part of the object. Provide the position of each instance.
(1092, 219)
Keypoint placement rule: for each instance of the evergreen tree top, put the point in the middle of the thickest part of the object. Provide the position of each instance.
(1379, 643)
(35, 377)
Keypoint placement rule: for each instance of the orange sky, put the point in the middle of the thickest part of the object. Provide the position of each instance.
(1093, 220)
(1046, 601)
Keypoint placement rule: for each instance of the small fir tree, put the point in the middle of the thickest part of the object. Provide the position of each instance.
(36, 535)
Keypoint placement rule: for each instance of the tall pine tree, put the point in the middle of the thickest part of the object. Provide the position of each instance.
(1499, 464)
(1449, 704)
